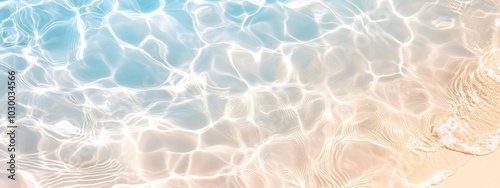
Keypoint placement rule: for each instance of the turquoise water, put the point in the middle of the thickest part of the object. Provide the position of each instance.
(205, 93)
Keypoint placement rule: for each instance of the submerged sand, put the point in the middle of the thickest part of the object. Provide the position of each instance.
(278, 94)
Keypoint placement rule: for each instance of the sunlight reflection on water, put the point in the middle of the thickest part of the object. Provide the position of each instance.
(167, 93)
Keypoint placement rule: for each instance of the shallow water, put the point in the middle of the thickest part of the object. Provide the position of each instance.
(163, 93)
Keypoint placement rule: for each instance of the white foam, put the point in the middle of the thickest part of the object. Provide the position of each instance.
(461, 137)
(447, 130)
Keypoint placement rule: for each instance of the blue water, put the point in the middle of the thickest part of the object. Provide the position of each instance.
(276, 93)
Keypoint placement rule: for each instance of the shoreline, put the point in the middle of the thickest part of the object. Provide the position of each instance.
(481, 171)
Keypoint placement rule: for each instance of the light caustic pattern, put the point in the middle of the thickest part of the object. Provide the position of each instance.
(136, 93)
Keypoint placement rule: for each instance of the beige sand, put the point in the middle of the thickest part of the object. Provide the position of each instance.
(482, 171)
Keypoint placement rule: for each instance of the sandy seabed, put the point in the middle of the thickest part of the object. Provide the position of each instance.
(256, 94)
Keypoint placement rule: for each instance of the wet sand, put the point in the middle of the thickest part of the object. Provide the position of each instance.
(482, 171)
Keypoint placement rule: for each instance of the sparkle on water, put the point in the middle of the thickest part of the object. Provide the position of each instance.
(276, 93)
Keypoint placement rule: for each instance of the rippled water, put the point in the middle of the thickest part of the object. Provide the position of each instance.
(277, 93)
